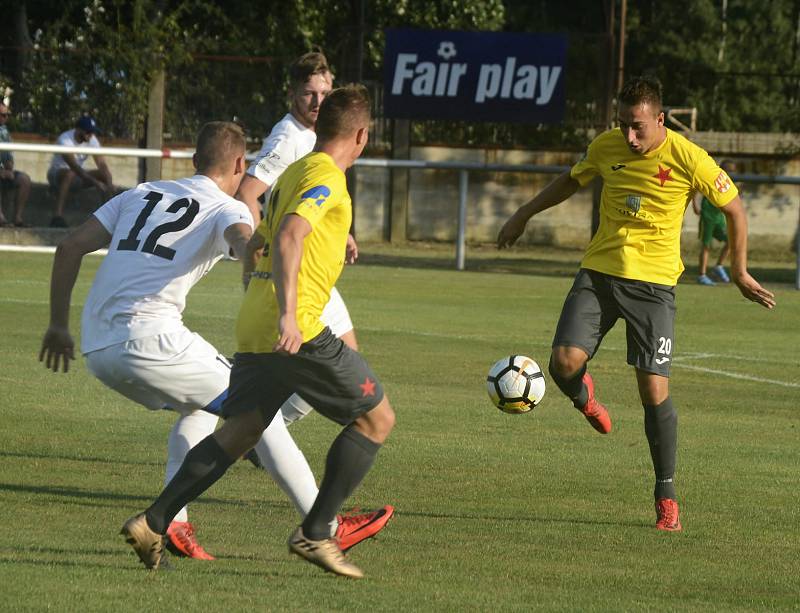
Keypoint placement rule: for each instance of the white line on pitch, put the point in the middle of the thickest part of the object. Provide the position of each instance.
(704, 356)
(734, 375)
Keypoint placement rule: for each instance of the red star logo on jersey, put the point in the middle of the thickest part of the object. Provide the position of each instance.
(663, 175)
(367, 388)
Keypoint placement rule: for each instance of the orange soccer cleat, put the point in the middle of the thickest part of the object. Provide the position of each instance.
(357, 527)
(183, 543)
(667, 516)
(595, 412)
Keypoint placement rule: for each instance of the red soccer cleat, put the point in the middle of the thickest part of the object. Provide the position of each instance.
(355, 528)
(182, 542)
(667, 517)
(595, 412)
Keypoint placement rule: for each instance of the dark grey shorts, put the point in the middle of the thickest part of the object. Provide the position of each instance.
(595, 303)
(326, 373)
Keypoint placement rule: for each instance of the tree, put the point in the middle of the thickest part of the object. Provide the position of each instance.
(736, 61)
(230, 62)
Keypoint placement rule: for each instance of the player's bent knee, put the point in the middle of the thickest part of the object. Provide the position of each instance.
(240, 433)
(653, 389)
(566, 361)
(378, 423)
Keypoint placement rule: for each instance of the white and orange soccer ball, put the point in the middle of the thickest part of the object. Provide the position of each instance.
(515, 384)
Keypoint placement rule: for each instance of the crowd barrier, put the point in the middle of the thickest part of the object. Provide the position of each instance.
(463, 168)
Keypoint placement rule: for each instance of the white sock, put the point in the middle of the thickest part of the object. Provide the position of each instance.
(287, 465)
(295, 408)
(185, 434)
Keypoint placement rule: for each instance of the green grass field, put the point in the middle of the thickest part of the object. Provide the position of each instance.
(494, 512)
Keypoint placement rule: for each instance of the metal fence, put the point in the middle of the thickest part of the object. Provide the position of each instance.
(463, 168)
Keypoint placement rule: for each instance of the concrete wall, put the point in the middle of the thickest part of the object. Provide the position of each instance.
(492, 197)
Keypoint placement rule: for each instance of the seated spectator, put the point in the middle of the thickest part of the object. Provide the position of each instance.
(66, 170)
(11, 179)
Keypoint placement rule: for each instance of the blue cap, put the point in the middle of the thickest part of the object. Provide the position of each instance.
(88, 125)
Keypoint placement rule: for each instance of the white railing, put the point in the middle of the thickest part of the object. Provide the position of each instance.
(463, 168)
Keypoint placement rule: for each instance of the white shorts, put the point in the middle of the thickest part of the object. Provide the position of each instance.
(335, 315)
(177, 370)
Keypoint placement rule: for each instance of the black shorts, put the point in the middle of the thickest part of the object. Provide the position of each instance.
(326, 373)
(595, 303)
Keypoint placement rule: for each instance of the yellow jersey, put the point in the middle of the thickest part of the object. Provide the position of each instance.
(643, 202)
(314, 188)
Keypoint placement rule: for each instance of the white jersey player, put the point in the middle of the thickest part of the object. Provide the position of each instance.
(290, 139)
(162, 238)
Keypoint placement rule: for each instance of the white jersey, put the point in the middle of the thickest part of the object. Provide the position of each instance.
(67, 139)
(165, 236)
(288, 141)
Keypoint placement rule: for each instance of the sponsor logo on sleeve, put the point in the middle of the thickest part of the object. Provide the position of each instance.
(316, 195)
(722, 182)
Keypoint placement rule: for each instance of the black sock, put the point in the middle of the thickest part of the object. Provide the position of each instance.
(661, 428)
(349, 459)
(573, 388)
(205, 463)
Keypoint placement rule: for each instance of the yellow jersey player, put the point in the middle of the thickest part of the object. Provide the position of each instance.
(292, 138)
(632, 264)
(285, 349)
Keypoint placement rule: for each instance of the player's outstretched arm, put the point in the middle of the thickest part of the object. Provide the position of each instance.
(737, 231)
(250, 190)
(58, 347)
(287, 253)
(237, 235)
(555, 193)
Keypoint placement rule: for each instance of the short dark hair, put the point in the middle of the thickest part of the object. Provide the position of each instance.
(344, 110)
(218, 143)
(306, 66)
(641, 90)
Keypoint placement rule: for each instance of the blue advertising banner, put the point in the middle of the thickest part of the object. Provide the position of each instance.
(476, 76)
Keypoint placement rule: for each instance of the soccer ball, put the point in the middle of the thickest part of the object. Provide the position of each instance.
(515, 384)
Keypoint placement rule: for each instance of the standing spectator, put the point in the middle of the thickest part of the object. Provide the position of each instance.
(11, 179)
(712, 225)
(66, 170)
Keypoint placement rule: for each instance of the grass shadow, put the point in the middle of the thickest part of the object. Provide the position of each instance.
(72, 493)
